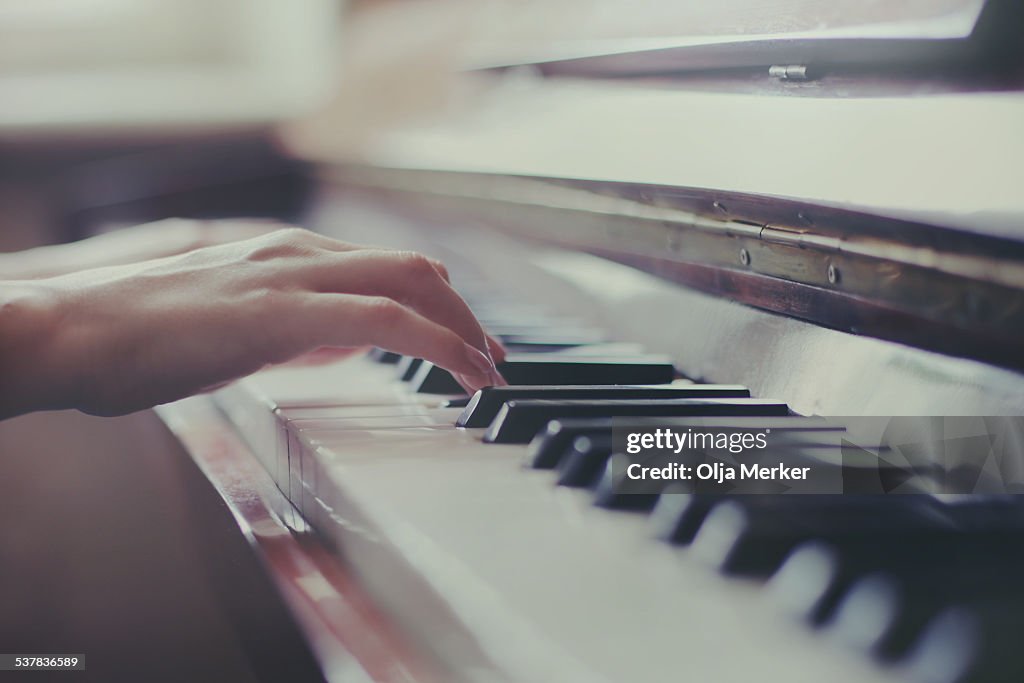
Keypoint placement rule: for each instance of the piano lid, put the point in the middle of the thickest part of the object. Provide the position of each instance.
(622, 36)
(945, 155)
(947, 160)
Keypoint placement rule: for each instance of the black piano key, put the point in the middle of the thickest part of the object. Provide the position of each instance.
(610, 495)
(866, 613)
(584, 462)
(540, 346)
(379, 355)
(538, 328)
(886, 612)
(537, 369)
(408, 366)
(810, 582)
(678, 514)
(975, 644)
(563, 369)
(486, 403)
(460, 402)
(550, 445)
(817, 575)
(565, 340)
(519, 421)
(752, 534)
(432, 379)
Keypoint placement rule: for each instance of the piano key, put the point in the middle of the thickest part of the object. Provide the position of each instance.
(603, 350)
(343, 468)
(540, 346)
(289, 414)
(565, 339)
(975, 644)
(817, 575)
(609, 495)
(519, 421)
(549, 445)
(810, 582)
(408, 366)
(585, 461)
(539, 328)
(887, 611)
(383, 356)
(485, 404)
(535, 369)
(433, 379)
(752, 534)
(679, 513)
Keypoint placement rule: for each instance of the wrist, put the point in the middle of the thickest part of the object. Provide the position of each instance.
(41, 262)
(28, 335)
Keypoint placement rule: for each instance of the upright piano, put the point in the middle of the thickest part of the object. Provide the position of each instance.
(779, 217)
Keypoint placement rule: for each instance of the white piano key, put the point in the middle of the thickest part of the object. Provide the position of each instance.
(538, 579)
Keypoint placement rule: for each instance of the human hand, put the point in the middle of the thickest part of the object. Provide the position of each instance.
(117, 339)
(129, 245)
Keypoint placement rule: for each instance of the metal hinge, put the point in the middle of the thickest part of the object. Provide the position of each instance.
(799, 238)
(790, 72)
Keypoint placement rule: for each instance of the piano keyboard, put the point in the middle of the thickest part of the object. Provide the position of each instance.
(492, 528)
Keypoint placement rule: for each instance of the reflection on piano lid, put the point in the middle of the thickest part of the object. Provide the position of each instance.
(651, 37)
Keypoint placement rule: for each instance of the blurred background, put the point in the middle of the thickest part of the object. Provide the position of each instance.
(186, 106)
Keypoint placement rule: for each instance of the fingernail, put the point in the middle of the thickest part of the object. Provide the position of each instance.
(495, 348)
(483, 364)
(467, 383)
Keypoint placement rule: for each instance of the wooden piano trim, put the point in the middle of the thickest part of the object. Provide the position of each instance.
(934, 288)
(350, 637)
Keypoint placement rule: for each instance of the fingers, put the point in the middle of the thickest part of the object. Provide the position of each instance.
(345, 247)
(498, 351)
(413, 281)
(211, 233)
(324, 355)
(410, 279)
(355, 320)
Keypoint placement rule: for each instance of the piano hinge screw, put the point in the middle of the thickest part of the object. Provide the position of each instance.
(833, 274)
(744, 257)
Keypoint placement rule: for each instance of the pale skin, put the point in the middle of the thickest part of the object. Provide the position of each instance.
(129, 334)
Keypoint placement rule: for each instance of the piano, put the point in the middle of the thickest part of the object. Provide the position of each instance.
(783, 218)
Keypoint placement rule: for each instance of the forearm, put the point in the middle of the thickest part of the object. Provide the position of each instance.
(132, 245)
(30, 374)
(24, 265)
(59, 259)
